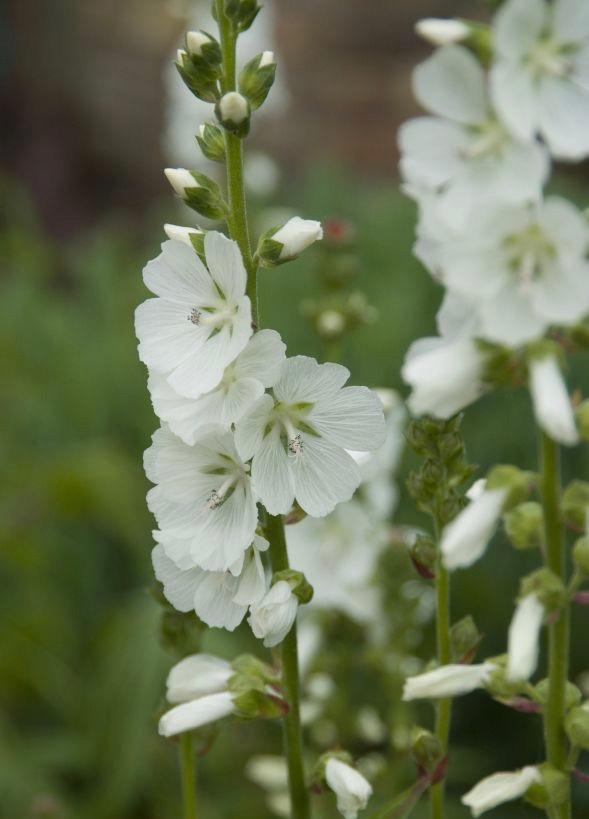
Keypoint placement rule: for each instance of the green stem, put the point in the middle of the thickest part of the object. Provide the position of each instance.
(299, 795)
(187, 774)
(444, 707)
(558, 632)
(237, 220)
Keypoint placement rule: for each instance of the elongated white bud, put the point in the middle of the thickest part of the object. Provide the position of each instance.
(233, 107)
(178, 233)
(552, 405)
(297, 235)
(191, 715)
(523, 640)
(267, 58)
(465, 539)
(195, 40)
(499, 788)
(351, 789)
(440, 31)
(180, 179)
(272, 618)
(447, 681)
(197, 676)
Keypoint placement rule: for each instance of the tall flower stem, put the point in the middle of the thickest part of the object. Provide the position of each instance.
(237, 220)
(444, 707)
(299, 795)
(558, 631)
(187, 774)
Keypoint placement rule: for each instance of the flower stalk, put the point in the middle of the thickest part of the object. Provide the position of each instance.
(558, 631)
(443, 650)
(188, 777)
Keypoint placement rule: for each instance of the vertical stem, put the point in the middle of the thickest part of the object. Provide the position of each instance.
(444, 707)
(187, 774)
(299, 795)
(558, 632)
(237, 221)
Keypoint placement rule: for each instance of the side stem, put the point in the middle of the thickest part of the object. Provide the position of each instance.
(444, 707)
(187, 774)
(299, 795)
(558, 632)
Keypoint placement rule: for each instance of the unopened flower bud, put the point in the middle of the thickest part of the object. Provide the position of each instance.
(464, 639)
(211, 141)
(257, 77)
(575, 505)
(199, 65)
(572, 696)
(524, 525)
(577, 726)
(424, 557)
(180, 179)
(548, 587)
(581, 555)
(439, 31)
(242, 12)
(298, 583)
(199, 191)
(200, 44)
(282, 244)
(330, 324)
(551, 790)
(426, 748)
(499, 788)
(351, 789)
(448, 681)
(552, 404)
(233, 112)
(272, 618)
(523, 638)
(193, 237)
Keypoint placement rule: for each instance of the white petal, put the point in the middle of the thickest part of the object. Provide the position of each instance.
(225, 264)
(509, 318)
(447, 681)
(351, 789)
(324, 475)
(252, 582)
(500, 788)
(451, 84)
(515, 99)
(272, 477)
(178, 275)
(465, 539)
(564, 118)
(570, 20)
(225, 533)
(250, 428)
(566, 226)
(239, 398)
(186, 416)
(552, 405)
(178, 585)
(303, 379)
(561, 295)
(262, 358)
(523, 641)
(192, 715)
(518, 25)
(430, 149)
(196, 676)
(272, 618)
(166, 337)
(214, 600)
(352, 418)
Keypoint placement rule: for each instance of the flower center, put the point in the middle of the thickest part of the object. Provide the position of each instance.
(220, 495)
(213, 319)
(529, 252)
(488, 139)
(295, 442)
(548, 59)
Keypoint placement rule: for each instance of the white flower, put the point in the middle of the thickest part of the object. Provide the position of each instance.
(552, 405)
(181, 234)
(352, 790)
(297, 235)
(540, 79)
(440, 31)
(465, 539)
(298, 437)
(243, 382)
(219, 599)
(180, 179)
(464, 152)
(524, 633)
(267, 771)
(448, 681)
(200, 320)
(521, 269)
(499, 788)
(233, 107)
(195, 40)
(202, 500)
(445, 375)
(197, 676)
(271, 619)
(191, 715)
(267, 58)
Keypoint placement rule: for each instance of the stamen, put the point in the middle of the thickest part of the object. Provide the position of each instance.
(295, 445)
(218, 496)
(195, 316)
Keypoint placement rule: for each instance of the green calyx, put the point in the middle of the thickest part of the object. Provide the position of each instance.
(426, 748)
(205, 197)
(298, 583)
(254, 687)
(256, 80)
(551, 791)
(516, 482)
(524, 525)
(581, 555)
(465, 638)
(572, 694)
(574, 505)
(212, 142)
(577, 726)
(547, 586)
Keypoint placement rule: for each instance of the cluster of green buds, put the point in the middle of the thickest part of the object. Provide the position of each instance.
(255, 689)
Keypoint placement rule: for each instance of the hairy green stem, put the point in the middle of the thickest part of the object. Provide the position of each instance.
(443, 707)
(558, 631)
(187, 774)
(237, 220)
(299, 795)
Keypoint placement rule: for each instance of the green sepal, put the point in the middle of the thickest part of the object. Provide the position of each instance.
(541, 691)
(206, 197)
(577, 726)
(465, 638)
(574, 505)
(255, 81)
(553, 790)
(516, 482)
(524, 525)
(547, 586)
(212, 142)
(426, 748)
(298, 583)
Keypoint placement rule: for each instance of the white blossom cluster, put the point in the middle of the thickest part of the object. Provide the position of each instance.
(512, 260)
(241, 425)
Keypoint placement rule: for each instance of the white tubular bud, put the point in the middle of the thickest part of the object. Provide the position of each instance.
(180, 179)
(233, 107)
(440, 31)
(195, 40)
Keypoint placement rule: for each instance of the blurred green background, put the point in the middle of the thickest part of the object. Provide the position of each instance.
(81, 663)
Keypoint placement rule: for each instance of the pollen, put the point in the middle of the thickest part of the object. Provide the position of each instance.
(215, 500)
(194, 316)
(295, 445)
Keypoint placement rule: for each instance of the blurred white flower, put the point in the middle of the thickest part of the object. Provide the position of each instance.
(465, 539)
(499, 788)
(351, 789)
(524, 635)
(442, 31)
(552, 405)
(448, 681)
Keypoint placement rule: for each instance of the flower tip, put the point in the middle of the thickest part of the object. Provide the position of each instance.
(440, 31)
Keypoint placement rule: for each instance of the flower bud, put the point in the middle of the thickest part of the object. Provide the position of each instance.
(577, 726)
(257, 77)
(465, 539)
(516, 482)
(351, 789)
(197, 676)
(282, 244)
(199, 65)
(424, 556)
(272, 618)
(199, 192)
(552, 404)
(193, 237)
(465, 638)
(572, 696)
(551, 790)
(447, 681)
(523, 638)
(575, 505)
(298, 584)
(582, 419)
(581, 555)
(200, 44)
(499, 788)
(524, 525)
(211, 141)
(233, 112)
(330, 324)
(426, 748)
(548, 587)
(440, 32)
(242, 12)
